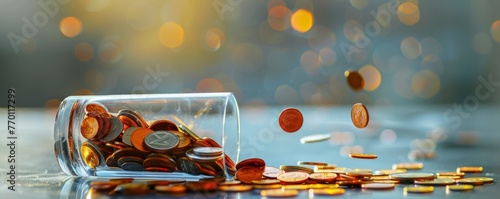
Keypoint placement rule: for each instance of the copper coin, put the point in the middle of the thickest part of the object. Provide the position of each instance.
(90, 156)
(160, 141)
(126, 137)
(354, 79)
(362, 156)
(359, 115)
(253, 162)
(165, 125)
(137, 138)
(134, 116)
(290, 120)
(235, 188)
(124, 159)
(128, 152)
(248, 174)
(470, 169)
(103, 123)
(294, 177)
(127, 121)
(188, 166)
(115, 130)
(201, 143)
(188, 131)
(96, 107)
(160, 160)
(272, 172)
(157, 169)
(207, 169)
(171, 188)
(89, 127)
(184, 140)
(202, 186)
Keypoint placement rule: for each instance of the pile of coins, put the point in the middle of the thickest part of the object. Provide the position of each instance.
(317, 178)
(127, 141)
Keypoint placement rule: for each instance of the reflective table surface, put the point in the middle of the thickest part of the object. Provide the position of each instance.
(469, 139)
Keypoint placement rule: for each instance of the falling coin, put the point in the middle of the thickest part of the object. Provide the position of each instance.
(363, 156)
(470, 169)
(354, 79)
(408, 166)
(315, 138)
(359, 115)
(290, 120)
(312, 163)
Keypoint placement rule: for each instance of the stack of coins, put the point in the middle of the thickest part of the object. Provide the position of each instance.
(250, 169)
(127, 141)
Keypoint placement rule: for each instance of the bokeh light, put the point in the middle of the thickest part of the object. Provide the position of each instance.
(388, 136)
(302, 20)
(482, 43)
(171, 35)
(410, 47)
(307, 90)
(285, 95)
(351, 29)
(109, 51)
(359, 4)
(495, 30)
(214, 38)
(408, 13)
(425, 84)
(327, 56)
(401, 82)
(371, 76)
(95, 5)
(247, 57)
(321, 37)
(279, 17)
(209, 85)
(433, 64)
(430, 46)
(342, 138)
(70, 26)
(84, 51)
(141, 15)
(310, 61)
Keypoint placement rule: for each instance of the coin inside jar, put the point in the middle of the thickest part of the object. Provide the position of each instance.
(208, 151)
(161, 141)
(137, 138)
(191, 155)
(114, 131)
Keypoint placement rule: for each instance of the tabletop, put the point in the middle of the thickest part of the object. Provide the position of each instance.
(469, 139)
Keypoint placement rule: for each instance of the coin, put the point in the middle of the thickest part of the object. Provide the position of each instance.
(188, 166)
(184, 140)
(165, 125)
(90, 156)
(388, 171)
(419, 189)
(464, 187)
(411, 176)
(115, 130)
(459, 174)
(265, 181)
(294, 177)
(272, 172)
(131, 166)
(470, 169)
(322, 186)
(254, 162)
(328, 192)
(279, 193)
(267, 186)
(236, 188)
(362, 156)
(188, 131)
(134, 116)
(127, 134)
(137, 138)
(124, 159)
(323, 177)
(190, 154)
(349, 183)
(175, 188)
(408, 166)
(161, 161)
(288, 168)
(96, 107)
(470, 181)
(359, 115)
(247, 174)
(435, 182)
(160, 141)
(359, 174)
(354, 79)
(378, 186)
(208, 151)
(315, 138)
(89, 127)
(290, 120)
(484, 179)
(230, 183)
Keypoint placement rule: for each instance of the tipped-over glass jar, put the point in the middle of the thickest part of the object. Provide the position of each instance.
(189, 136)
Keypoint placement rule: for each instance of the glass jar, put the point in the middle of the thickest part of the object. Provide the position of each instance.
(189, 135)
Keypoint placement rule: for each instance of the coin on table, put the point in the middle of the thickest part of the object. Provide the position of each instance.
(248, 174)
(265, 181)
(272, 172)
(408, 166)
(208, 151)
(354, 79)
(470, 181)
(315, 138)
(419, 189)
(359, 115)
(254, 162)
(323, 177)
(484, 179)
(383, 172)
(279, 193)
(160, 141)
(411, 176)
(359, 174)
(288, 168)
(294, 177)
(235, 188)
(470, 169)
(436, 182)
(363, 156)
(327, 192)
(378, 186)
(290, 120)
(462, 187)
(459, 174)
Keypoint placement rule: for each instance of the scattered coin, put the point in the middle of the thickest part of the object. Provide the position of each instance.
(272, 172)
(273, 193)
(288, 168)
(328, 191)
(484, 179)
(363, 156)
(411, 176)
(470, 169)
(265, 181)
(253, 162)
(315, 138)
(294, 177)
(323, 177)
(470, 181)
(436, 182)
(464, 187)
(208, 151)
(248, 174)
(408, 166)
(290, 120)
(378, 186)
(419, 189)
(459, 174)
(236, 188)
(354, 79)
(359, 115)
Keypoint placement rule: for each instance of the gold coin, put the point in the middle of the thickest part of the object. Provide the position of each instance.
(470, 169)
(484, 179)
(411, 176)
(359, 174)
(175, 188)
(235, 188)
(288, 168)
(378, 186)
(328, 166)
(295, 177)
(328, 191)
(449, 177)
(363, 156)
(279, 193)
(264, 182)
(295, 187)
(408, 166)
(459, 174)
(436, 182)
(465, 187)
(267, 186)
(354, 79)
(323, 176)
(384, 172)
(419, 189)
(470, 181)
(359, 115)
(90, 156)
(322, 186)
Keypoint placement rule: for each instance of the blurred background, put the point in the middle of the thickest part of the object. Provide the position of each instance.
(267, 52)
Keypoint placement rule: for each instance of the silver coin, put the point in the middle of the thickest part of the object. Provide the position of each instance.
(188, 131)
(115, 130)
(208, 151)
(132, 166)
(188, 166)
(191, 155)
(127, 134)
(161, 140)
